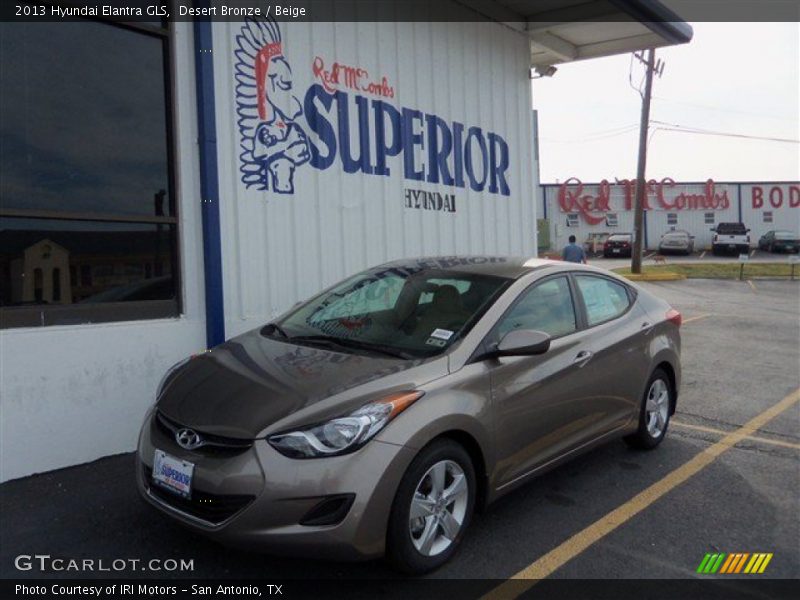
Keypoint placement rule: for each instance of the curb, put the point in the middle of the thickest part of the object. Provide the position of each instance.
(653, 276)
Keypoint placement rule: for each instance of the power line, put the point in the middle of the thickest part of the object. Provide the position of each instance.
(688, 129)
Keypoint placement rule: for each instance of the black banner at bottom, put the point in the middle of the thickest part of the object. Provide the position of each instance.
(450, 589)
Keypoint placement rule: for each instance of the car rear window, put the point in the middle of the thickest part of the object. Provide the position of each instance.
(732, 228)
(604, 299)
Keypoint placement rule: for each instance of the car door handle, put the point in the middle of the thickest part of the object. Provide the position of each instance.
(647, 327)
(583, 357)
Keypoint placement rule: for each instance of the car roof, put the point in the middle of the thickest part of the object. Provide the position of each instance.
(510, 267)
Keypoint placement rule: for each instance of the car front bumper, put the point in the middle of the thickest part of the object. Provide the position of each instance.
(277, 492)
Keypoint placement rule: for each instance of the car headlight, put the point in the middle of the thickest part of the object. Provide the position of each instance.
(343, 434)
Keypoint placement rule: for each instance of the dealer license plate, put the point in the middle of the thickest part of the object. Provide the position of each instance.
(615, 250)
(173, 474)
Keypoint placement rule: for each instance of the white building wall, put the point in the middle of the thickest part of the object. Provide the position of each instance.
(782, 200)
(71, 394)
(280, 248)
(746, 202)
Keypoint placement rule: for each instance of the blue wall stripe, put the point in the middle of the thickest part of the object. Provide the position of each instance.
(209, 181)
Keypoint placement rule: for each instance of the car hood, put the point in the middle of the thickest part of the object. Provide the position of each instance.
(251, 382)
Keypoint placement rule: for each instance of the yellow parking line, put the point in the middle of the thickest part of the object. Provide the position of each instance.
(566, 551)
(755, 438)
(697, 318)
(752, 286)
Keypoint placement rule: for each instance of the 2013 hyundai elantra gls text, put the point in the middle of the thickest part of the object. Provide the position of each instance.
(376, 417)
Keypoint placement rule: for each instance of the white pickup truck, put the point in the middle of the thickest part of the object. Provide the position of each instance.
(729, 237)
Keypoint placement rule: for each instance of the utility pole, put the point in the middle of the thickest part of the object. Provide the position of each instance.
(638, 218)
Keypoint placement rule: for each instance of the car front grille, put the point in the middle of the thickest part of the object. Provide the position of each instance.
(212, 508)
(214, 445)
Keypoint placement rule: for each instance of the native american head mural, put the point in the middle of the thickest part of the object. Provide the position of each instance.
(272, 142)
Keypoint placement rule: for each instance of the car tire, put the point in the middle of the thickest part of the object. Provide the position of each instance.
(654, 413)
(421, 545)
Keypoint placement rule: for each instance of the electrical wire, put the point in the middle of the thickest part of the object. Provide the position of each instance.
(701, 131)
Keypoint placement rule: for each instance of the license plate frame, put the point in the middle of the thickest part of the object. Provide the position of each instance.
(173, 474)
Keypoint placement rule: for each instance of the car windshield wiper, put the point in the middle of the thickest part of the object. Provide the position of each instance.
(350, 345)
(271, 328)
(377, 348)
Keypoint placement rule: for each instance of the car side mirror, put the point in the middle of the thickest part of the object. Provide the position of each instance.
(523, 342)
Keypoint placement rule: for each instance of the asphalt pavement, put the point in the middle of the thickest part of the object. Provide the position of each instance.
(740, 357)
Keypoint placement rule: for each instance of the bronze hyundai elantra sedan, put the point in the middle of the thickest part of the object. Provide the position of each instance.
(376, 417)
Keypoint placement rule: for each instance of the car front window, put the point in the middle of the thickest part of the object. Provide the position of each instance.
(417, 313)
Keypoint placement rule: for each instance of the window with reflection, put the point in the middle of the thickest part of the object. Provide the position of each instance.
(87, 213)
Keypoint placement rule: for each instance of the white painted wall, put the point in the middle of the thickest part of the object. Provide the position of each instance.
(781, 199)
(280, 248)
(72, 394)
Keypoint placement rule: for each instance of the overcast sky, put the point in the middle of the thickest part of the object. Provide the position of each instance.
(741, 78)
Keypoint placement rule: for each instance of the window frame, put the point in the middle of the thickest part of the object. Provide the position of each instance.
(767, 217)
(630, 292)
(77, 314)
(491, 337)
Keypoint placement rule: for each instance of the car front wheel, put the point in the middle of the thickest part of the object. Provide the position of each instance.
(432, 508)
(654, 413)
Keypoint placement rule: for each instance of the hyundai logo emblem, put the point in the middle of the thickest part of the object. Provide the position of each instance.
(188, 439)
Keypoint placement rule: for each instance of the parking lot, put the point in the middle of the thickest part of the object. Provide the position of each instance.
(740, 359)
(701, 256)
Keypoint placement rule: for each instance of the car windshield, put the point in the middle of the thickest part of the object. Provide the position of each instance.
(620, 237)
(676, 235)
(395, 311)
(731, 228)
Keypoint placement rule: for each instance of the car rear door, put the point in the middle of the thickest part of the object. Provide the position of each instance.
(616, 335)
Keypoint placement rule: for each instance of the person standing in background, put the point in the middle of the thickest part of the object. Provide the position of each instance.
(573, 252)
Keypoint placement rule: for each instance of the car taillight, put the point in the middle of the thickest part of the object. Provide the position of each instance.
(673, 316)
(748, 239)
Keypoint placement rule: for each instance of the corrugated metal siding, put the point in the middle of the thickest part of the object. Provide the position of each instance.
(781, 199)
(278, 249)
(786, 215)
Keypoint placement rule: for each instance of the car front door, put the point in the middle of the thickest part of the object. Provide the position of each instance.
(543, 404)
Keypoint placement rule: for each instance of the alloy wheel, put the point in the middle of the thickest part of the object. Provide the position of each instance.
(438, 508)
(657, 407)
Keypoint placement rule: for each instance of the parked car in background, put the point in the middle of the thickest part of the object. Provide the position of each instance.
(618, 245)
(780, 240)
(676, 241)
(730, 237)
(375, 417)
(595, 242)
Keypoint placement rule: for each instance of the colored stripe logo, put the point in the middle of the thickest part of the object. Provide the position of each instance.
(736, 562)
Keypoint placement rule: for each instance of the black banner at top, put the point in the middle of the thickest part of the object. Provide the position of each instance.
(162, 12)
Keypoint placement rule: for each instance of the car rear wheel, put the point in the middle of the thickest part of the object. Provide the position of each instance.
(654, 413)
(432, 508)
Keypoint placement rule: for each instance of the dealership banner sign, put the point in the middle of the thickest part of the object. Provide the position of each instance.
(593, 201)
(283, 127)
